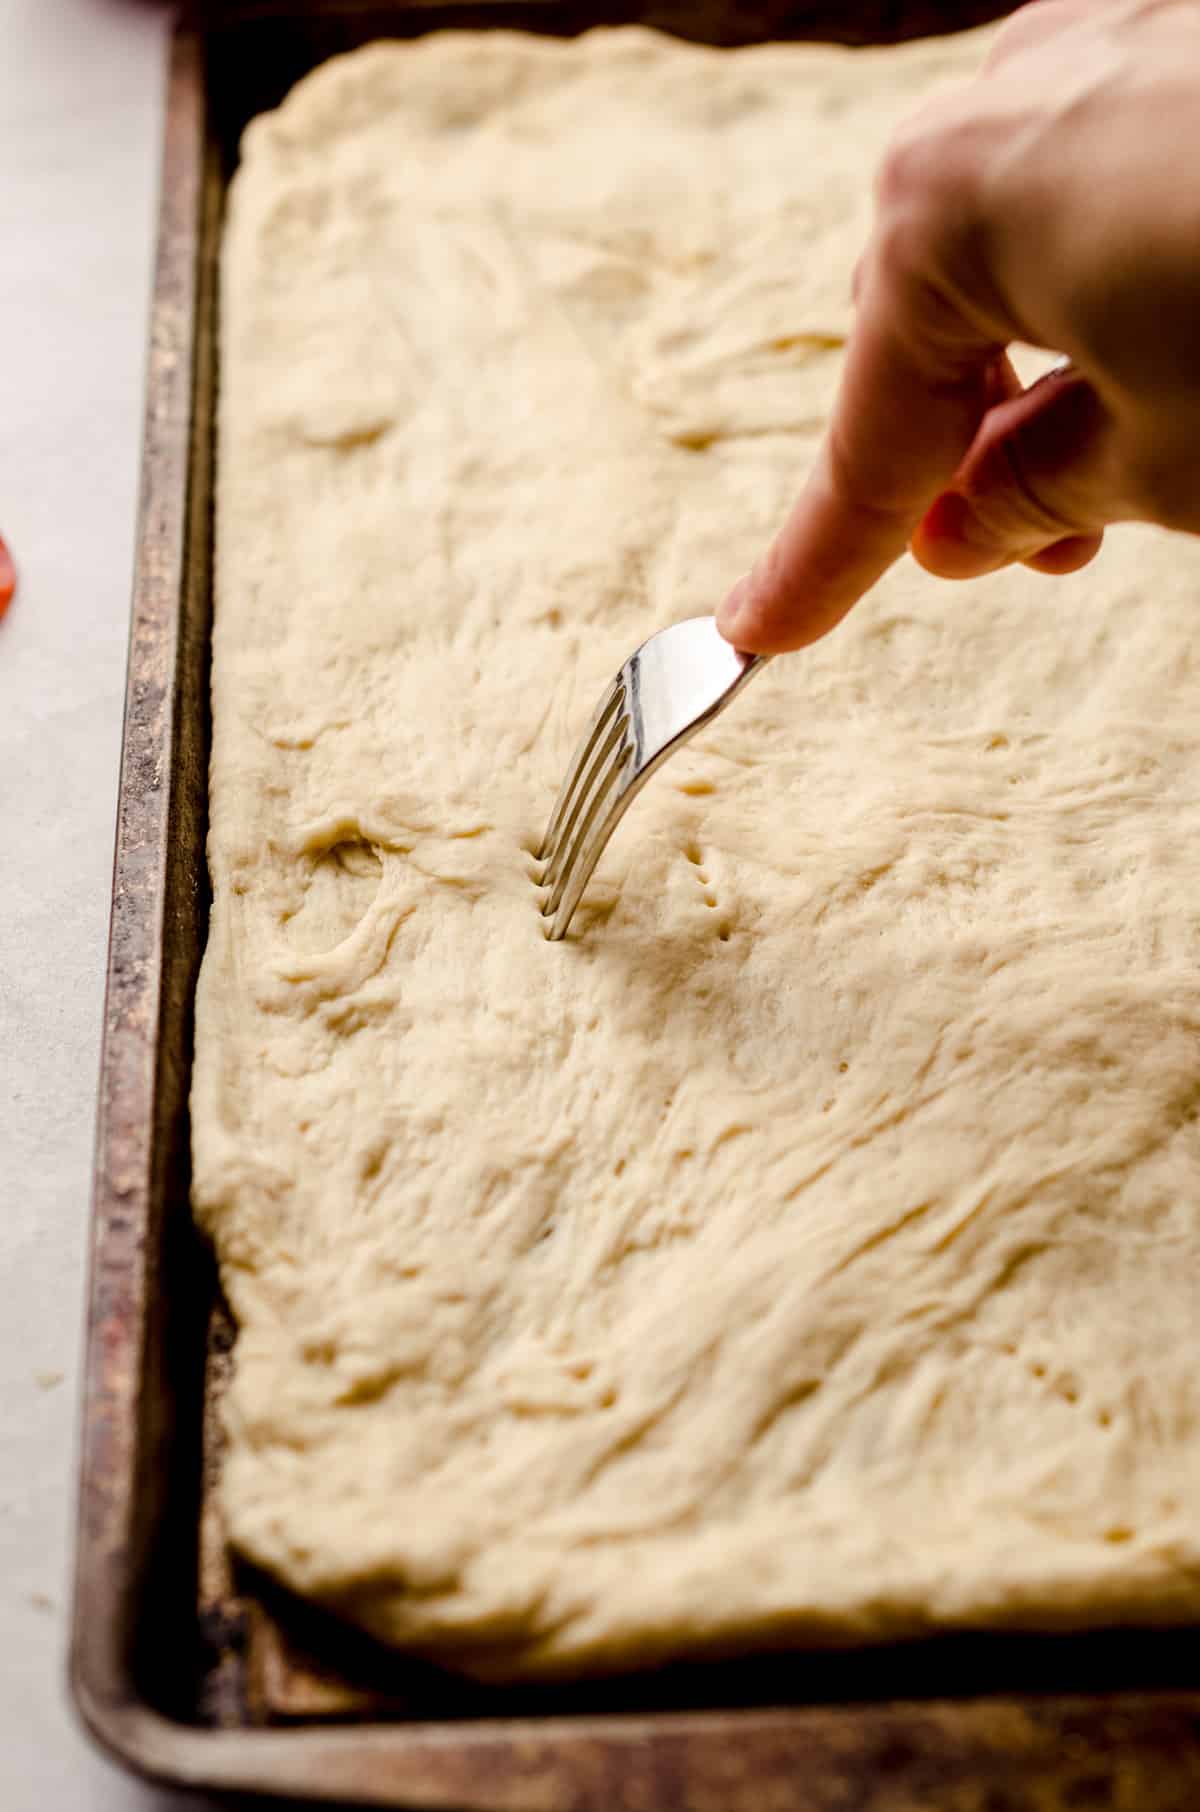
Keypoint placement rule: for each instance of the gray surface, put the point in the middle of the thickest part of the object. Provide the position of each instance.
(79, 142)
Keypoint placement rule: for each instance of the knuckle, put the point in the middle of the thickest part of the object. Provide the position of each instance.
(929, 161)
(1031, 26)
(1026, 500)
(907, 162)
(928, 195)
(1016, 516)
(1040, 501)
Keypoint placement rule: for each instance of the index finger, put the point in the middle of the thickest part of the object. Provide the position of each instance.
(920, 374)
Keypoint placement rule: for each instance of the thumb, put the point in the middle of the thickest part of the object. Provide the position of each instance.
(1041, 480)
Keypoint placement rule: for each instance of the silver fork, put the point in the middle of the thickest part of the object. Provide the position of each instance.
(667, 690)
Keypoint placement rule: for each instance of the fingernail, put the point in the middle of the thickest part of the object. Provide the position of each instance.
(732, 613)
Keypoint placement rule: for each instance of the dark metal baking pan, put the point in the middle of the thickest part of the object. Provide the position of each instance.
(191, 1669)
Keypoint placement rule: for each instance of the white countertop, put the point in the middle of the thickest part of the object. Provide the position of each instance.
(79, 147)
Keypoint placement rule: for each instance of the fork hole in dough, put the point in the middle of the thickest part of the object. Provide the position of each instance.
(372, 1162)
(338, 893)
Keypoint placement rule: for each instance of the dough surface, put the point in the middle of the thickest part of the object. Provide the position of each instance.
(809, 1248)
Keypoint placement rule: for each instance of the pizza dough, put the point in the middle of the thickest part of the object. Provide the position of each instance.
(809, 1248)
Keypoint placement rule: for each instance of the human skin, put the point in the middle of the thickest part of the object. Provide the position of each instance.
(1054, 200)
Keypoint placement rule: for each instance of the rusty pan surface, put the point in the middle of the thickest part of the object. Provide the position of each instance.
(191, 1669)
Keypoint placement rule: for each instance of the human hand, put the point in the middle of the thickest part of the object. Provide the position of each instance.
(1054, 200)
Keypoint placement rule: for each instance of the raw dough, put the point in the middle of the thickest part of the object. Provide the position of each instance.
(810, 1248)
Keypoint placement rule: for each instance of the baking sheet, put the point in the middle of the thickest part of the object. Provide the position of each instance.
(195, 1670)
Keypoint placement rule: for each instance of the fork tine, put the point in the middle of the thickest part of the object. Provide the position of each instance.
(604, 814)
(590, 794)
(613, 699)
(579, 836)
(582, 795)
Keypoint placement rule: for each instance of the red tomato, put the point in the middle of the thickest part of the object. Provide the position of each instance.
(8, 577)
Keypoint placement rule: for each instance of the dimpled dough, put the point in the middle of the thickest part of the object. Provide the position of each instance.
(809, 1248)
